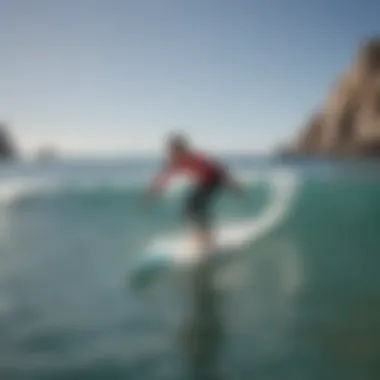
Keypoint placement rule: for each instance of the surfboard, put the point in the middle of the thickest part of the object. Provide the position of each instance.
(176, 251)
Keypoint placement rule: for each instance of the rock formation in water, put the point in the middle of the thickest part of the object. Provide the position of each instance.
(7, 149)
(348, 123)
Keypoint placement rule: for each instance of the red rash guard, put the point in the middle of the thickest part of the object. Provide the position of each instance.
(202, 168)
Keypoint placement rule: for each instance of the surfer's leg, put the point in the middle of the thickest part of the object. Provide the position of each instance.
(195, 211)
(206, 218)
(199, 208)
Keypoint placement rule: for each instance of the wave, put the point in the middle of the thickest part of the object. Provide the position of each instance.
(17, 190)
(21, 189)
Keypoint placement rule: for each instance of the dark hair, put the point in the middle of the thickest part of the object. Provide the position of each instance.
(178, 141)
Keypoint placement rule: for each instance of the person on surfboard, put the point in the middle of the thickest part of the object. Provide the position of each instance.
(210, 177)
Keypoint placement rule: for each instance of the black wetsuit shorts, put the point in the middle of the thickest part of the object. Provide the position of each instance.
(199, 203)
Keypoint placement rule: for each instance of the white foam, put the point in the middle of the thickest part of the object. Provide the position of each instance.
(15, 189)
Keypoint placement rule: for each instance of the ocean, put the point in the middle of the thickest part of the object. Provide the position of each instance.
(301, 302)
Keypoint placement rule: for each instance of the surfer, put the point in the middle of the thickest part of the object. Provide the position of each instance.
(210, 176)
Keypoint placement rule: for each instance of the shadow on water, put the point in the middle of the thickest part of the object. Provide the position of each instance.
(201, 335)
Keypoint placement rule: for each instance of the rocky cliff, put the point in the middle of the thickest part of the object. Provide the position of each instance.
(7, 149)
(348, 123)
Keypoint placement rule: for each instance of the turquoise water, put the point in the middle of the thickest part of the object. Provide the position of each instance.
(302, 302)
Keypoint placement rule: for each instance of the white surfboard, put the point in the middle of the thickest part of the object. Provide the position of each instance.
(179, 250)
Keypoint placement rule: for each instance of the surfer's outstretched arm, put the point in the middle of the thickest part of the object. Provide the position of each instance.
(160, 180)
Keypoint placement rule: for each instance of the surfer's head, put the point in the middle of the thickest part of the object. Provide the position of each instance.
(178, 144)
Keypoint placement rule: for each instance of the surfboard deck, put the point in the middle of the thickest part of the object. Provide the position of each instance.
(178, 251)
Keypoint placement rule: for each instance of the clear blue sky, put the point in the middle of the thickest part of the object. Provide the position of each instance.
(115, 75)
